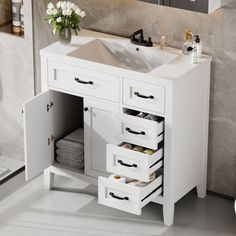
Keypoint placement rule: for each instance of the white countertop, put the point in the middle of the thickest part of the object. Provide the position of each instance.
(172, 70)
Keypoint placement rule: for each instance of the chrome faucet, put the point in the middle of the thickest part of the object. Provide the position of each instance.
(140, 40)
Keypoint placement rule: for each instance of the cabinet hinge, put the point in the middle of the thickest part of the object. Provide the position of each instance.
(51, 139)
(49, 106)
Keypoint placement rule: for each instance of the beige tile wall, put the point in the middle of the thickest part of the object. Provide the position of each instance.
(217, 30)
(5, 11)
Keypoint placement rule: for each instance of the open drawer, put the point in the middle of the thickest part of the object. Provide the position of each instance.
(133, 164)
(127, 197)
(140, 131)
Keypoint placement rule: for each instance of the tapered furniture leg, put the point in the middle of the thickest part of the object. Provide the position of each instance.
(201, 189)
(48, 180)
(168, 213)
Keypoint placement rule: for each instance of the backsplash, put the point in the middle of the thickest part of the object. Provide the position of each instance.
(217, 30)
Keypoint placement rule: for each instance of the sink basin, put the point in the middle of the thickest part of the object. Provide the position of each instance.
(123, 54)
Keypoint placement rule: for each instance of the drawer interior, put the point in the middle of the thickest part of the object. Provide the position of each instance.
(133, 163)
(127, 196)
(143, 115)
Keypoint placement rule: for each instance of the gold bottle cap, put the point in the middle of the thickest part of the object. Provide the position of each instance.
(188, 35)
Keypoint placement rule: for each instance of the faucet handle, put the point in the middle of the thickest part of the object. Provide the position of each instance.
(150, 41)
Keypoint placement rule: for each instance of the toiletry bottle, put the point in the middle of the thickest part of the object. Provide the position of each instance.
(22, 13)
(195, 55)
(198, 44)
(163, 43)
(188, 41)
(16, 5)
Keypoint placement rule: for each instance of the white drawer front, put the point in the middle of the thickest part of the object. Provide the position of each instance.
(139, 131)
(126, 197)
(84, 81)
(143, 95)
(133, 164)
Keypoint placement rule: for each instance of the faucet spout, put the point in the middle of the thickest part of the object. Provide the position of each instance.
(140, 40)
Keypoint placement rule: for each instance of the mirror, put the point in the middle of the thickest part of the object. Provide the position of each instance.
(203, 6)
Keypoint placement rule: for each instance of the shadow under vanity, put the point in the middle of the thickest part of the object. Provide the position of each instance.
(150, 128)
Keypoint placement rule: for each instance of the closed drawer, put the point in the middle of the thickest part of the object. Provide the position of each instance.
(142, 95)
(83, 81)
(127, 197)
(133, 164)
(140, 131)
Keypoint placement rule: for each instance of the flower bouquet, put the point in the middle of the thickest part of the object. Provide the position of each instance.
(64, 17)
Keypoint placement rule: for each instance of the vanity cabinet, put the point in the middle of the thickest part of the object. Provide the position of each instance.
(105, 101)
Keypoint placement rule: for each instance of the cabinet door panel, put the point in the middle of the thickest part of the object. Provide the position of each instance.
(99, 130)
(37, 129)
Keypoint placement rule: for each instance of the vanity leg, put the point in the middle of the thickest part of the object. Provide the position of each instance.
(201, 189)
(168, 213)
(48, 179)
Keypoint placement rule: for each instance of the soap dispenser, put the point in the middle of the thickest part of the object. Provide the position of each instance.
(197, 43)
(188, 41)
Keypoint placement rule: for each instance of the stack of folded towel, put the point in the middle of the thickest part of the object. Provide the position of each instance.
(70, 150)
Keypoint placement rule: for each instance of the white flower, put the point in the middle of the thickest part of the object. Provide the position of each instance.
(68, 12)
(83, 14)
(68, 5)
(50, 6)
(80, 13)
(64, 12)
(59, 4)
(49, 12)
(63, 5)
(74, 7)
(54, 11)
(59, 19)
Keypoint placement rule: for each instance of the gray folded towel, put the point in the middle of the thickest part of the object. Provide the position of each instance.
(73, 142)
(76, 136)
(71, 155)
(70, 163)
(70, 146)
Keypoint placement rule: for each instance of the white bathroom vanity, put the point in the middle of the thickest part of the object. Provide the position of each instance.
(96, 83)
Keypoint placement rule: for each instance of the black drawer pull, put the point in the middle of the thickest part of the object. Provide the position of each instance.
(135, 132)
(117, 197)
(143, 96)
(83, 82)
(127, 165)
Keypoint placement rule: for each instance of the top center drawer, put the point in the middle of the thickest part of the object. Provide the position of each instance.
(83, 81)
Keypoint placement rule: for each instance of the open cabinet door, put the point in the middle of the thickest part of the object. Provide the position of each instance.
(39, 146)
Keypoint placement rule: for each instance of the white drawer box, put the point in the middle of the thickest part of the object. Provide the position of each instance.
(139, 131)
(143, 95)
(127, 197)
(84, 81)
(133, 164)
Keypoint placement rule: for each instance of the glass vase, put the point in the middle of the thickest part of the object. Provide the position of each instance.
(65, 36)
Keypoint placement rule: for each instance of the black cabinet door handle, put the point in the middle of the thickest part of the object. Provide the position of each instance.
(83, 82)
(117, 197)
(135, 132)
(143, 96)
(127, 165)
